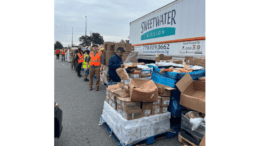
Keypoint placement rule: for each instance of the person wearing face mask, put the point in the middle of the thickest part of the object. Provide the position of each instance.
(116, 62)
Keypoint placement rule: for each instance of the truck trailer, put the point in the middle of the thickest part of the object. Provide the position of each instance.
(176, 29)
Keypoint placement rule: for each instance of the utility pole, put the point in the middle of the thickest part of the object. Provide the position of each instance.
(72, 38)
(85, 30)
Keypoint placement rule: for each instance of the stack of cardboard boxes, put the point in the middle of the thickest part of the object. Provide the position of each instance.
(195, 61)
(111, 47)
(139, 98)
(161, 57)
(193, 98)
(136, 111)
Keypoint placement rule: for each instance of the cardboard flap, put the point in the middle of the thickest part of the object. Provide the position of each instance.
(161, 87)
(184, 82)
(169, 88)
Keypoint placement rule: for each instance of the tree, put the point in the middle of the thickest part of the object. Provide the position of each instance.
(58, 45)
(85, 41)
(97, 38)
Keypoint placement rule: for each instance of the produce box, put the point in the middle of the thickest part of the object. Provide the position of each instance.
(143, 90)
(192, 93)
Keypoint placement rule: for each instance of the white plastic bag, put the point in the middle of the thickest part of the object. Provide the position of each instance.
(195, 123)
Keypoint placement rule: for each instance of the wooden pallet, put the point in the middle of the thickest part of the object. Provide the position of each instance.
(185, 141)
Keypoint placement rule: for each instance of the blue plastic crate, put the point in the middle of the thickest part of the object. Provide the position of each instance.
(158, 78)
(177, 76)
(194, 75)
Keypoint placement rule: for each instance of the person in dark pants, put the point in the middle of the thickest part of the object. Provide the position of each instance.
(96, 61)
(57, 53)
(63, 52)
(80, 61)
(116, 62)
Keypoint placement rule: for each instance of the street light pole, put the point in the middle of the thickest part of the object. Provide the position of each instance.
(85, 29)
(72, 38)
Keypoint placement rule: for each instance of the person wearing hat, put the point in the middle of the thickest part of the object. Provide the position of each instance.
(116, 62)
(96, 61)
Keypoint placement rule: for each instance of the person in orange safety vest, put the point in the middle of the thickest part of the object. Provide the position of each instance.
(63, 52)
(80, 61)
(96, 61)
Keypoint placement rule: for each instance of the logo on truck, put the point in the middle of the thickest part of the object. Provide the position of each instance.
(167, 18)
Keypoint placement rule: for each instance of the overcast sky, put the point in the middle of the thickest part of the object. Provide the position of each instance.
(110, 18)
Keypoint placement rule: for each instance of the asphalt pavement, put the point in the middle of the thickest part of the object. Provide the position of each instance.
(82, 109)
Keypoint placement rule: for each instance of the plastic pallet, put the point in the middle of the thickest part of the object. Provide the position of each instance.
(149, 140)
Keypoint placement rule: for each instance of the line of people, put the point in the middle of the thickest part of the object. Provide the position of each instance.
(62, 52)
(93, 62)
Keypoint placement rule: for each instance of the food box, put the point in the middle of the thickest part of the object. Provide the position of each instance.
(155, 109)
(165, 101)
(164, 90)
(164, 109)
(127, 104)
(143, 90)
(133, 114)
(147, 108)
(192, 93)
(158, 102)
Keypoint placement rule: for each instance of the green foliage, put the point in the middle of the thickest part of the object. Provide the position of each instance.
(95, 38)
(58, 45)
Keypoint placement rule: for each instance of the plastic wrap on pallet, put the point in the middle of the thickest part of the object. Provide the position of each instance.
(132, 131)
(132, 57)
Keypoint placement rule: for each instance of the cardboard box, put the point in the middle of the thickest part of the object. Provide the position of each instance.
(114, 105)
(143, 90)
(202, 79)
(131, 75)
(119, 109)
(109, 47)
(107, 99)
(157, 59)
(127, 104)
(165, 101)
(155, 109)
(161, 56)
(192, 93)
(146, 75)
(158, 102)
(147, 108)
(175, 61)
(126, 88)
(164, 90)
(164, 109)
(133, 114)
(120, 93)
(167, 57)
(118, 101)
(121, 72)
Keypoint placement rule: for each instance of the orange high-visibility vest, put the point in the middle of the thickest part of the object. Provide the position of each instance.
(80, 60)
(63, 52)
(95, 60)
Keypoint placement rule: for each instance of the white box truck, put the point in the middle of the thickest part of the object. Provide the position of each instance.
(176, 29)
